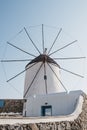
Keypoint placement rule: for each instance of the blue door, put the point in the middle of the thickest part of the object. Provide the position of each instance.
(46, 110)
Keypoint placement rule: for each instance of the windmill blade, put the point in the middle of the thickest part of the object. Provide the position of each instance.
(20, 49)
(43, 37)
(31, 40)
(55, 40)
(57, 78)
(45, 77)
(72, 72)
(15, 60)
(69, 58)
(33, 79)
(20, 73)
(63, 47)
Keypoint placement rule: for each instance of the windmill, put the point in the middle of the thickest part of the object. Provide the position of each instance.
(43, 71)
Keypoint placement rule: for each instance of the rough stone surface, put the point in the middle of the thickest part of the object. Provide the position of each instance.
(15, 105)
(79, 124)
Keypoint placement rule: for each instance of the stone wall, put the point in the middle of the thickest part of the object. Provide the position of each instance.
(76, 125)
(12, 105)
(79, 124)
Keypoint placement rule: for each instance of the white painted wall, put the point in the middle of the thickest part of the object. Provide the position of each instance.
(62, 103)
(38, 86)
(71, 117)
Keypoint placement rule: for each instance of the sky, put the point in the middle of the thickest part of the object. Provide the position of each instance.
(71, 16)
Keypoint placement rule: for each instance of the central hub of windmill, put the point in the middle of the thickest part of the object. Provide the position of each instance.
(43, 58)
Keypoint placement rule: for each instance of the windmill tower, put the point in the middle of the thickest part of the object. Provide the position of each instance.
(42, 76)
(42, 87)
(42, 73)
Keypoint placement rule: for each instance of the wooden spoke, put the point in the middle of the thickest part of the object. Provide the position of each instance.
(20, 49)
(58, 78)
(45, 77)
(20, 73)
(63, 47)
(33, 79)
(43, 37)
(72, 72)
(15, 60)
(31, 40)
(69, 58)
(55, 40)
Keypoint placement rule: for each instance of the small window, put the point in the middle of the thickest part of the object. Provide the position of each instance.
(46, 110)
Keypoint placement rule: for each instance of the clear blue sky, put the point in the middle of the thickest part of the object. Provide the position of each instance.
(15, 14)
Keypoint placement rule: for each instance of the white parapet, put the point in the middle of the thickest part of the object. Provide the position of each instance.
(58, 104)
(27, 120)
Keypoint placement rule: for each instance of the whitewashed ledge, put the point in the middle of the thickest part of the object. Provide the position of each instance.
(28, 120)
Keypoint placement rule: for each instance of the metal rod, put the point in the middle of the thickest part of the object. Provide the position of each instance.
(15, 60)
(20, 73)
(43, 37)
(45, 77)
(57, 78)
(63, 47)
(33, 79)
(69, 58)
(20, 49)
(31, 40)
(72, 72)
(55, 40)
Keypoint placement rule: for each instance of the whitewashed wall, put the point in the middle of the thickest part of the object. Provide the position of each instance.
(62, 103)
(38, 86)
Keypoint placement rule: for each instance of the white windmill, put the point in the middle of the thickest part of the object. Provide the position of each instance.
(43, 83)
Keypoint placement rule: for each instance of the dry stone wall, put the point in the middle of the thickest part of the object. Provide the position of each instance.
(45, 126)
(12, 105)
(79, 124)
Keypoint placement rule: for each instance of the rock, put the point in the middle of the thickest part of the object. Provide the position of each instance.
(60, 127)
(68, 126)
(79, 124)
